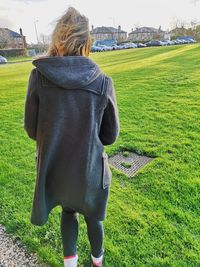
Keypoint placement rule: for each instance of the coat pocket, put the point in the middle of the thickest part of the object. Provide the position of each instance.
(107, 174)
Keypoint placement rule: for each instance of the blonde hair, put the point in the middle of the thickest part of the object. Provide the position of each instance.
(71, 36)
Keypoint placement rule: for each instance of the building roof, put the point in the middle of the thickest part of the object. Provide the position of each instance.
(146, 30)
(180, 29)
(12, 33)
(104, 30)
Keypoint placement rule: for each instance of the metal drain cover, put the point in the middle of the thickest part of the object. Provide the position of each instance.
(129, 162)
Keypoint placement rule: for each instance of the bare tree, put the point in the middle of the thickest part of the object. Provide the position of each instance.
(195, 28)
(178, 23)
(45, 39)
(4, 38)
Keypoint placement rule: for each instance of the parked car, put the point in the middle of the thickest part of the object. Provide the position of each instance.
(133, 45)
(170, 42)
(140, 45)
(192, 40)
(115, 47)
(105, 47)
(188, 40)
(178, 41)
(167, 42)
(3, 60)
(154, 43)
(95, 48)
(122, 46)
(182, 41)
(164, 42)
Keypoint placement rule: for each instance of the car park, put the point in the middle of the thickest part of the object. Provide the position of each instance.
(3, 60)
(100, 46)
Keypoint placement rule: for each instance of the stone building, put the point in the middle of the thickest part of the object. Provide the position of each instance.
(193, 31)
(146, 34)
(181, 31)
(11, 39)
(103, 33)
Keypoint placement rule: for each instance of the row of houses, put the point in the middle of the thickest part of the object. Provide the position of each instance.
(11, 39)
(139, 34)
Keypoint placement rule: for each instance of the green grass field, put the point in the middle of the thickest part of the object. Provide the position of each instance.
(19, 59)
(153, 218)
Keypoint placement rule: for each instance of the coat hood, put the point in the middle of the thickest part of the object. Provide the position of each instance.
(68, 72)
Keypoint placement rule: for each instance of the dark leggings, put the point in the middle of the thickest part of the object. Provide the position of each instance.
(69, 233)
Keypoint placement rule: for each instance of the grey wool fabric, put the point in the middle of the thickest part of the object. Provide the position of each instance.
(71, 112)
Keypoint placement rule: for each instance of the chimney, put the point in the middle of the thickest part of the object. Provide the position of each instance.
(132, 30)
(119, 28)
(24, 44)
(20, 31)
(159, 28)
(92, 27)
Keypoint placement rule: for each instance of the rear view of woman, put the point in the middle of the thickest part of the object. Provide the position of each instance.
(71, 112)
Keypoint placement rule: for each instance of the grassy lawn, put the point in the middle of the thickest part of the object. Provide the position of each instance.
(153, 218)
(19, 59)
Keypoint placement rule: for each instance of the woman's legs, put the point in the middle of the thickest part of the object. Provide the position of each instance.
(69, 231)
(96, 235)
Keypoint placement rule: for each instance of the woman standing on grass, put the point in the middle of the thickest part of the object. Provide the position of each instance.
(71, 112)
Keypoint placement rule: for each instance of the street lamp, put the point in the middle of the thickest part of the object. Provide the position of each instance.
(36, 32)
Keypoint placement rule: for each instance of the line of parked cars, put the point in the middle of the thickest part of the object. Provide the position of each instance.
(170, 42)
(101, 48)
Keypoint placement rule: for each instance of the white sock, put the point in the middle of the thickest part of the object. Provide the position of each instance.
(97, 261)
(71, 261)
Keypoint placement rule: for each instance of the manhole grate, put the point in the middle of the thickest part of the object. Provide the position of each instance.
(129, 162)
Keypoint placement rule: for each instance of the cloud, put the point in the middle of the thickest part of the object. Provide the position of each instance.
(27, 1)
(22, 13)
(6, 23)
(2, 8)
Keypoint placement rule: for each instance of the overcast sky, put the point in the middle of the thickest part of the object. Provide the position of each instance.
(127, 13)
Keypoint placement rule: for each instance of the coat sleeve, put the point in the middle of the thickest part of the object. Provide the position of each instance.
(109, 129)
(31, 106)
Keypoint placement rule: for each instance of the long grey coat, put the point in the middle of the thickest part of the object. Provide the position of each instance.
(71, 112)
